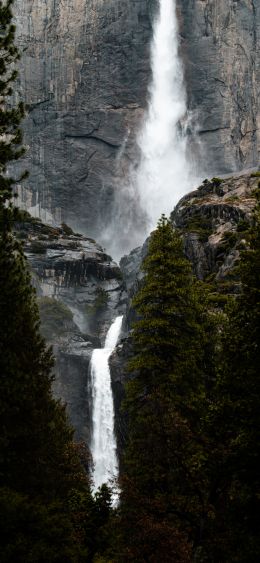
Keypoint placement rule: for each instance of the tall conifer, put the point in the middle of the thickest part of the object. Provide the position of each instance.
(162, 489)
(43, 488)
(234, 422)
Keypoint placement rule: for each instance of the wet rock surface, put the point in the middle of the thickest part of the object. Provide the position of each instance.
(84, 74)
(75, 270)
(119, 377)
(219, 207)
(80, 292)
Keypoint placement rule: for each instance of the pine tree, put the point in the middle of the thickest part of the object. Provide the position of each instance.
(47, 512)
(43, 487)
(163, 486)
(34, 429)
(234, 421)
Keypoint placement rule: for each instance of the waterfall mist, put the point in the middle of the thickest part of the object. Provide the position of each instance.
(163, 174)
(103, 443)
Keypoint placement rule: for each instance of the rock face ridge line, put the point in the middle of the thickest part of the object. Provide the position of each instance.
(87, 136)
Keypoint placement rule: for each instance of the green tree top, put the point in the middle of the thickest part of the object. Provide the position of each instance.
(165, 401)
(168, 336)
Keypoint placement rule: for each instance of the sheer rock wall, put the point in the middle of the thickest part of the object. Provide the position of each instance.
(84, 75)
(220, 41)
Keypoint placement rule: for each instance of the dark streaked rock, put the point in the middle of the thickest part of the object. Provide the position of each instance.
(80, 292)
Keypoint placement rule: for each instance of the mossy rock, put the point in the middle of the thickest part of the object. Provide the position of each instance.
(99, 304)
(256, 192)
(37, 247)
(95, 310)
(88, 238)
(67, 230)
(242, 226)
(218, 299)
(231, 199)
(200, 225)
(50, 231)
(119, 274)
(216, 181)
(23, 216)
(229, 240)
(55, 316)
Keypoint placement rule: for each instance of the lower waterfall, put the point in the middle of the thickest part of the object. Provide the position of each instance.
(103, 443)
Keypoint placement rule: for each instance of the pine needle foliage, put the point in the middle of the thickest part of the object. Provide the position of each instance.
(35, 435)
(47, 512)
(163, 486)
(234, 420)
(169, 335)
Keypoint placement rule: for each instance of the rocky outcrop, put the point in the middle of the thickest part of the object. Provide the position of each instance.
(84, 75)
(213, 220)
(75, 270)
(130, 266)
(80, 292)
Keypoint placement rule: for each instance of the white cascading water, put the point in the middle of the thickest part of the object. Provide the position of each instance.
(163, 175)
(103, 444)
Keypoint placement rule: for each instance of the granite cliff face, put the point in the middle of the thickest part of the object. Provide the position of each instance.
(213, 220)
(84, 74)
(222, 64)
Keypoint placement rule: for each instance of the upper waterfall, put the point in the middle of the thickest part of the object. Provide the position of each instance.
(163, 175)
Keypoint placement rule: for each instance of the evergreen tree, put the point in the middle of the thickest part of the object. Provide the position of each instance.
(39, 467)
(234, 421)
(163, 505)
(35, 434)
(46, 510)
